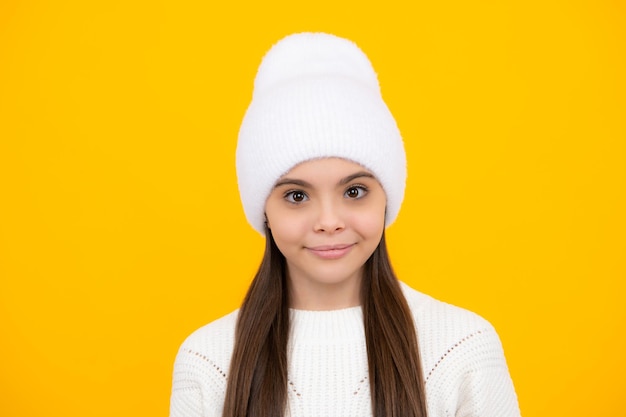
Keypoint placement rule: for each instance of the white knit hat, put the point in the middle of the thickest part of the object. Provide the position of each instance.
(316, 95)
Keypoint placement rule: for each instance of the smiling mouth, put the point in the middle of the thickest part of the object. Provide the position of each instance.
(331, 251)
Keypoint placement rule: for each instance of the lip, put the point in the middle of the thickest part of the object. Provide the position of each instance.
(331, 251)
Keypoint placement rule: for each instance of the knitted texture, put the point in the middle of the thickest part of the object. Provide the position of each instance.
(465, 371)
(315, 96)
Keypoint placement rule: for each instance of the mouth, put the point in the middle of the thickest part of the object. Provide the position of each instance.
(331, 251)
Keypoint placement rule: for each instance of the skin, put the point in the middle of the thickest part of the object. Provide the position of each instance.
(327, 216)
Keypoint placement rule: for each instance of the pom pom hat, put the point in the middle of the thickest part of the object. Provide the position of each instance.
(316, 96)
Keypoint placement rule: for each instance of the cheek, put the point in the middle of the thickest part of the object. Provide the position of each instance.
(370, 223)
(284, 233)
(287, 231)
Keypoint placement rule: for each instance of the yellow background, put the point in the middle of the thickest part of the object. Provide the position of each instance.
(120, 224)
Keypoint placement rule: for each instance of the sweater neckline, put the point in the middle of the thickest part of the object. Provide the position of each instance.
(329, 326)
(312, 312)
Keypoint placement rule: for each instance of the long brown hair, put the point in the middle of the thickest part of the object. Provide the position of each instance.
(257, 381)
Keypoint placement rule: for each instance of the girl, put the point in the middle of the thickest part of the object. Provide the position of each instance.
(326, 329)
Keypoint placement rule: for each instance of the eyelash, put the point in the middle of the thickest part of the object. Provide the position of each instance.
(289, 195)
(362, 188)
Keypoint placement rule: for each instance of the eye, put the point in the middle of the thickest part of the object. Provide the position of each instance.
(296, 196)
(356, 192)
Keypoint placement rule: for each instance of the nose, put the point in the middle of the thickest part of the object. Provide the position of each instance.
(329, 218)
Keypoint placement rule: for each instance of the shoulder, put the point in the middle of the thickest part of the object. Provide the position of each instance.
(212, 343)
(201, 368)
(462, 358)
(203, 358)
(451, 336)
(215, 335)
(438, 321)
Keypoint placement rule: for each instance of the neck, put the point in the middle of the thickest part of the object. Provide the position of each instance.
(305, 295)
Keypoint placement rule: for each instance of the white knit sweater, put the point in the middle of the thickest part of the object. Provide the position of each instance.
(464, 367)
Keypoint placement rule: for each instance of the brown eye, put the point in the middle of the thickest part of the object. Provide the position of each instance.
(296, 197)
(355, 192)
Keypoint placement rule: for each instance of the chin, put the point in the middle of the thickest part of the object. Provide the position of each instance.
(333, 276)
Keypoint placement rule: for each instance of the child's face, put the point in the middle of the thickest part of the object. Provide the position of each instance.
(327, 216)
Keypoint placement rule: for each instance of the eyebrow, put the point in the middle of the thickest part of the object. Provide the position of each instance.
(301, 183)
(354, 176)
